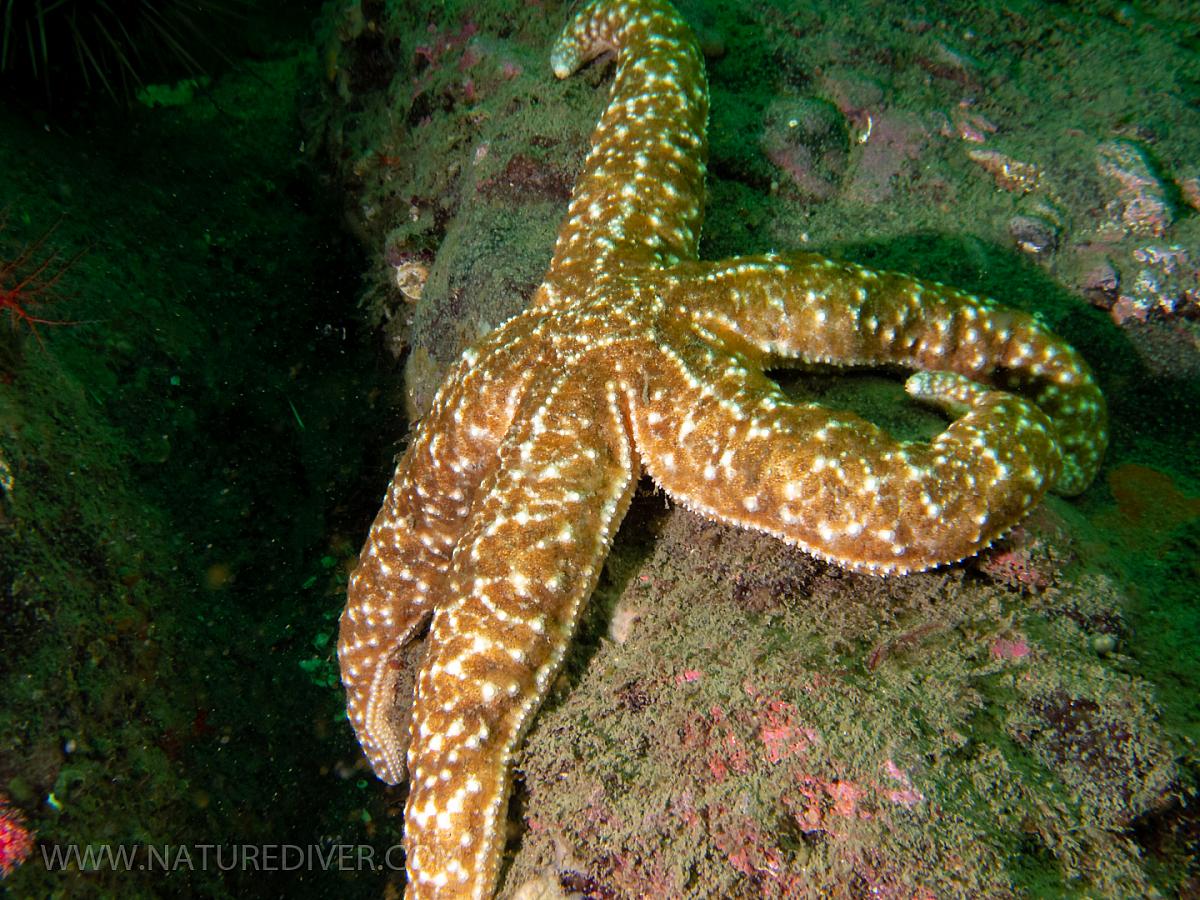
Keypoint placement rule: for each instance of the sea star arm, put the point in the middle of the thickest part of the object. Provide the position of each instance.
(389, 598)
(518, 579)
(721, 438)
(391, 592)
(779, 310)
(638, 200)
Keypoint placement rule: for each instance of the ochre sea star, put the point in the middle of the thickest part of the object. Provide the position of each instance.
(633, 355)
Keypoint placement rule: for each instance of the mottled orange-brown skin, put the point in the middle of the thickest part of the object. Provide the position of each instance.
(635, 355)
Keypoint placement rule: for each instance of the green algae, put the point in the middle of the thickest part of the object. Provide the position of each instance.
(162, 506)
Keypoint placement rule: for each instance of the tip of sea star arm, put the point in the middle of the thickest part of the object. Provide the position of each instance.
(372, 675)
(575, 45)
(382, 731)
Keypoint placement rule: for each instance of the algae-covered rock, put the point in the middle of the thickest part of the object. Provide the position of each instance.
(771, 726)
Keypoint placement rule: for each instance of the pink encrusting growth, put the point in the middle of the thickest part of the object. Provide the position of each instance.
(633, 356)
(16, 841)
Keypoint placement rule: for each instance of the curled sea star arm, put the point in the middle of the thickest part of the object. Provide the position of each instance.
(529, 559)
(390, 597)
(392, 590)
(831, 483)
(807, 308)
(638, 200)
